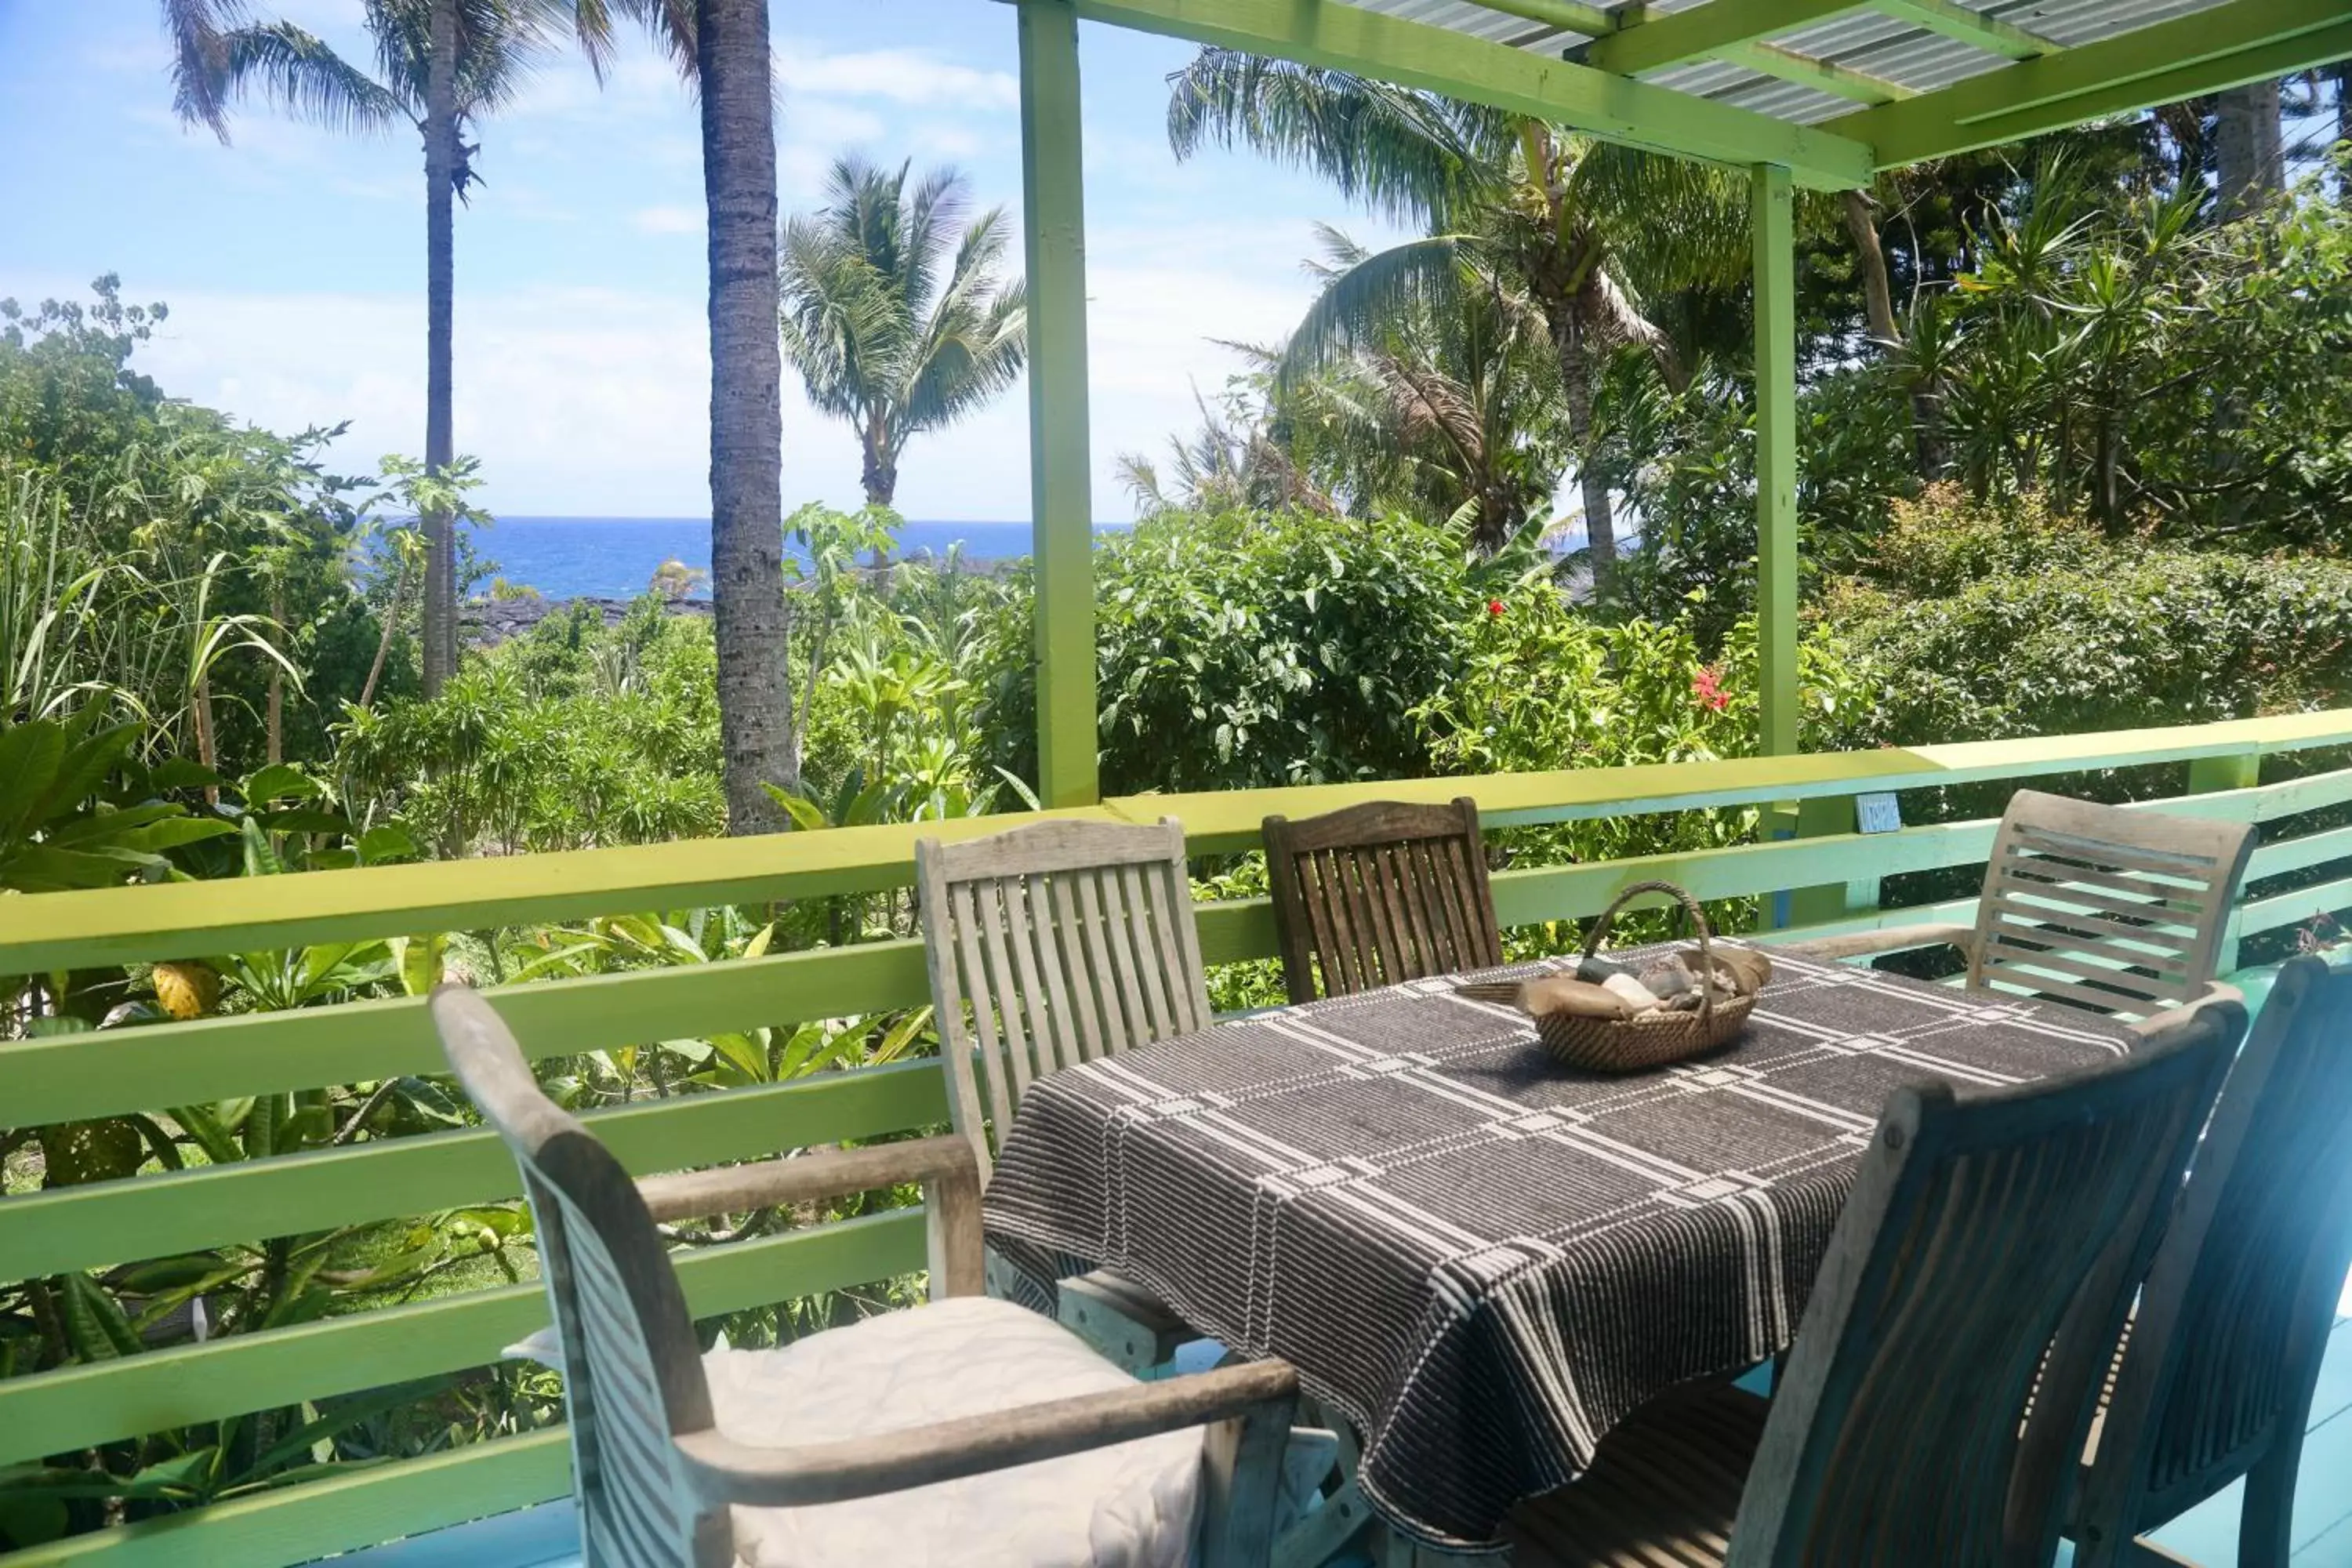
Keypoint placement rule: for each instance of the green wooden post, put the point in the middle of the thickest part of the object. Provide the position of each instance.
(2206, 777)
(1061, 479)
(1776, 457)
(1773, 238)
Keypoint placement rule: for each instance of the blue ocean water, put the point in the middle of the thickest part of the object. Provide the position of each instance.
(616, 557)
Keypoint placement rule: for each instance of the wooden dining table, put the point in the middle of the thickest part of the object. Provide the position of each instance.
(1479, 1258)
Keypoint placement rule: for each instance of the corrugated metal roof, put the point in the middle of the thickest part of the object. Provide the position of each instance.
(1892, 50)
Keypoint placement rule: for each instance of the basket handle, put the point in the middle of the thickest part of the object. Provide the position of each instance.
(1682, 896)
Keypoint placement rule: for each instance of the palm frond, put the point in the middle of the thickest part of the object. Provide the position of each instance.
(1671, 223)
(309, 81)
(1380, 289)
(200, 73)
(1407, 154)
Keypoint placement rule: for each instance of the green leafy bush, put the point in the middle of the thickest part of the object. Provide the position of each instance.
(1250, 649)
(1978, 621)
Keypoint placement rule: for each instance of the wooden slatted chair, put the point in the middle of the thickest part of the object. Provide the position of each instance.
(1049, 945)
(890, 1440)
(2123, 911)
(1983, 1231)
(2216, 1376)
(1373, 894)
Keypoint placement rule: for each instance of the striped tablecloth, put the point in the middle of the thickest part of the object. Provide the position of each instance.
(1481, 1259)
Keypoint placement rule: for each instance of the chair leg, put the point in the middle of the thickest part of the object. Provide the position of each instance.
(1241, 1474)
(2266, 1527)
(1322, 1535)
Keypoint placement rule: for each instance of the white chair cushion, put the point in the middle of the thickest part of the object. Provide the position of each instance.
(1128, 1507)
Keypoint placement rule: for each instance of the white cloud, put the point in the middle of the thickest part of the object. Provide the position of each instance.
(667, 220)
(595, 400)
(899, 76)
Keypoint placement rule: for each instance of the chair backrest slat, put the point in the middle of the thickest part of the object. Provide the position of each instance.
(632, 1366)
(1086, 1010)
(2124, 912)
(1053, 944)
(2226, 1344)
(1378, 893)
(1984, 1261)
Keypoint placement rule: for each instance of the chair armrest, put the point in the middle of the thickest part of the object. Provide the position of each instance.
(1893, 939)
(2215, 1008)
(725, 1471)
(946, 1167)
(806, 1178)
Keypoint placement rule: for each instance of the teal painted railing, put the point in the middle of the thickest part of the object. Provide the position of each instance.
(116, 1072)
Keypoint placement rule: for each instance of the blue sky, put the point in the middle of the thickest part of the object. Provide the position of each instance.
(293, 260)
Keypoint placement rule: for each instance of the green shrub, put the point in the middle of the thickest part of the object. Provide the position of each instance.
(1978, 621)
(1251, 649)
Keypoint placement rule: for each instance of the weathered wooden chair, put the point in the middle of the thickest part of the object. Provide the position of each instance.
(2216, 1376)
(2123, 911)
(884, 1441)
(1373, 894)
(1985, 1260)
(1050, 945)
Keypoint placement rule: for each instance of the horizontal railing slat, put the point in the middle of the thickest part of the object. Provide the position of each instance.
(73, 1407)
(2293, 908)
(191, 920)
(361, 1507)
(151, 1216)
(49, 1080)
(183, 919)
(1229, 820)
(2300, 854)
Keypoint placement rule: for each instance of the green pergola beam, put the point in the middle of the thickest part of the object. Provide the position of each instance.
(1704, 30)
(2227, 45)
(1823, 76)
(1061, 476)
(1438, 59)
(1954, 20)
(1566, 14)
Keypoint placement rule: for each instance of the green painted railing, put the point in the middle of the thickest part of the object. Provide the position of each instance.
(77, 1078)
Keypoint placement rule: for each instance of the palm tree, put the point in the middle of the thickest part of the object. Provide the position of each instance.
(730, 47)
(1444, 401)
(1572, 224)
(440, 65)
(893, 311)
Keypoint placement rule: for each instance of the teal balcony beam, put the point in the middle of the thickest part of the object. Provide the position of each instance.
(1521, 81)
(1061, 469)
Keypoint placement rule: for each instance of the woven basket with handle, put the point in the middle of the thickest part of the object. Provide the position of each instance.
(1652, 1040)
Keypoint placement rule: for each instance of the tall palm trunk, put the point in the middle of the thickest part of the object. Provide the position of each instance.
(747, 512)
(1870, 260)
(277, 634)
(881, 469)
(1568, 337)
(2250, 155)
(440, 180)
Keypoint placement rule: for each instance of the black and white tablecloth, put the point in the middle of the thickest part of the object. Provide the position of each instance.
(1483, 1259)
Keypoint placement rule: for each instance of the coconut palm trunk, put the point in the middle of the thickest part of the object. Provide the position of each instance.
(2249, 155)
(441, 153)
(1576, 388)
(747, 517)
